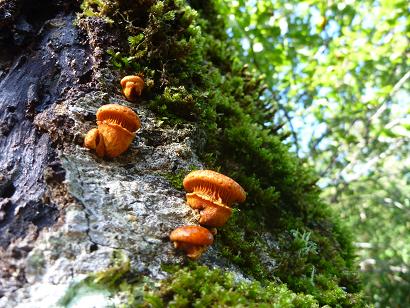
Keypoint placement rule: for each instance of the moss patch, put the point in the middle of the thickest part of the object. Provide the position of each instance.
(192, 286)
(192, 75)
(201, 287)
(176, 178)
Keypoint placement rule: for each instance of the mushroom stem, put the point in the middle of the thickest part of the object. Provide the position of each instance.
(194, 252)
(214, 231)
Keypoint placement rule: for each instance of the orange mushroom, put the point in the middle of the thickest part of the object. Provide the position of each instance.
(116, 130)
(94, 141)
(213, 194)
(194, 240)
(132, 86)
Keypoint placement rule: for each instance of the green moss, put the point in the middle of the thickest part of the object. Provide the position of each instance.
(202, 287)
(176, 178)
(194, 76)
(192, 286)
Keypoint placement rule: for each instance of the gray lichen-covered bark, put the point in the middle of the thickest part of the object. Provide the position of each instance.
(64, 211)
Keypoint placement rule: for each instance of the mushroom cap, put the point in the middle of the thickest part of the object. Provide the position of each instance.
(120, 115)
(224, 187)
(131, 78)
(91, 139)
(95, 141)
(194, 235)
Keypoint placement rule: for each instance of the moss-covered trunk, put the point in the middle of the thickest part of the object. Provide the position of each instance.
(103, 232)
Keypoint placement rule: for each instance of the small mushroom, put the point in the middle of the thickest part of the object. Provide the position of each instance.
(132, 86)
(93, 141)
(213, 194)
(116, 130)
(194, 240)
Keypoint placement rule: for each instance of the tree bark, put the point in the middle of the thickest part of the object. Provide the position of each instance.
(64, 211)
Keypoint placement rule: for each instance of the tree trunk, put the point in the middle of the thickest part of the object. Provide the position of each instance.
(66, 214)
(63, 210)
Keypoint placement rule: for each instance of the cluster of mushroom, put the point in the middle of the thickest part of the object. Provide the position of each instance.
(209, 192)
(117, 125)
(213, 194)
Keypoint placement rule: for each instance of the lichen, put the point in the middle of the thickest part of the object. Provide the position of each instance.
(117, 279)
(194, 76)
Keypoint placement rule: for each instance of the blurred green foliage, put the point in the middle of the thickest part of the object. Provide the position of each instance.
(340, 72)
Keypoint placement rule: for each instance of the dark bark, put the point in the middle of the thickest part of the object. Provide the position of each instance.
(41, 63)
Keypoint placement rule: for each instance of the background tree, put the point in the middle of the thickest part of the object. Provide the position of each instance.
(340, 72)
